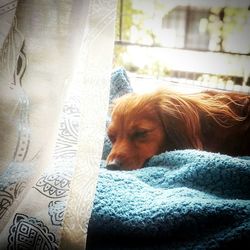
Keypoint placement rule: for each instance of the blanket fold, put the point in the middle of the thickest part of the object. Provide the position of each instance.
(184, 199)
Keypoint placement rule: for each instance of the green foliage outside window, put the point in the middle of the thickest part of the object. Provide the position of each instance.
(227, 31)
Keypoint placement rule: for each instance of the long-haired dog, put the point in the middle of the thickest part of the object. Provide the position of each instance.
(143, 125)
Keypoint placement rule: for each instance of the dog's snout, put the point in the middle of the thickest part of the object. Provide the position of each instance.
(114, 165)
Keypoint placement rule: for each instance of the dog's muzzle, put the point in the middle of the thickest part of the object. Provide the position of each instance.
(114, 165)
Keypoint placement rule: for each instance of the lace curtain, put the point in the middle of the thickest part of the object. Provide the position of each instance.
(55, 67)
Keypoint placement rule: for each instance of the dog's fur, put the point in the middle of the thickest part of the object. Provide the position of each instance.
(144, 125)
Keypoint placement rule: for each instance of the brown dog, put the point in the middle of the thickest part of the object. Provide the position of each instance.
(144, 125)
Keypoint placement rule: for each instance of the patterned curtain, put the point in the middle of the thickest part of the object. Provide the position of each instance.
(55, 67)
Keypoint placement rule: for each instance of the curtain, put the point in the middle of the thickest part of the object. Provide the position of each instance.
(55, 65)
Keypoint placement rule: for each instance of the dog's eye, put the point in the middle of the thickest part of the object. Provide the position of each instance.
(140, 134)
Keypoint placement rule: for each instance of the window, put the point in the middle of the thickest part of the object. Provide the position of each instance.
(185, 25)
(201, 42)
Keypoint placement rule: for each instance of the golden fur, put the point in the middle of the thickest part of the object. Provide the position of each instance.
(147, 124)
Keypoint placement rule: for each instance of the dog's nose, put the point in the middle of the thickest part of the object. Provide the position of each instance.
(114, 165)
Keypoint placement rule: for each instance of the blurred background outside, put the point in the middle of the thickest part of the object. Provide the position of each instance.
(187, 43)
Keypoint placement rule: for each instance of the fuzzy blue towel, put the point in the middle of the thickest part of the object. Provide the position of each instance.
(184, 199)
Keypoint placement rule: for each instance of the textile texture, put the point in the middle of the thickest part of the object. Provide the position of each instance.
(183, 199)
(49, 101)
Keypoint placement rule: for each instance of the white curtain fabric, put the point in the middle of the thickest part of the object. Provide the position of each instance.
(55, 66)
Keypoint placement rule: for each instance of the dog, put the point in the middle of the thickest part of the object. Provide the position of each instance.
(143, 125)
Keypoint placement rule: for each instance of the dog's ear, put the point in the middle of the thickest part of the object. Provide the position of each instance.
(181, 123)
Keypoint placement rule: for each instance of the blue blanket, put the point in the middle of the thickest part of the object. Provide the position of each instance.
(184, 199)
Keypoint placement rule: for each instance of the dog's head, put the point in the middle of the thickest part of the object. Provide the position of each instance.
(136, 132)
